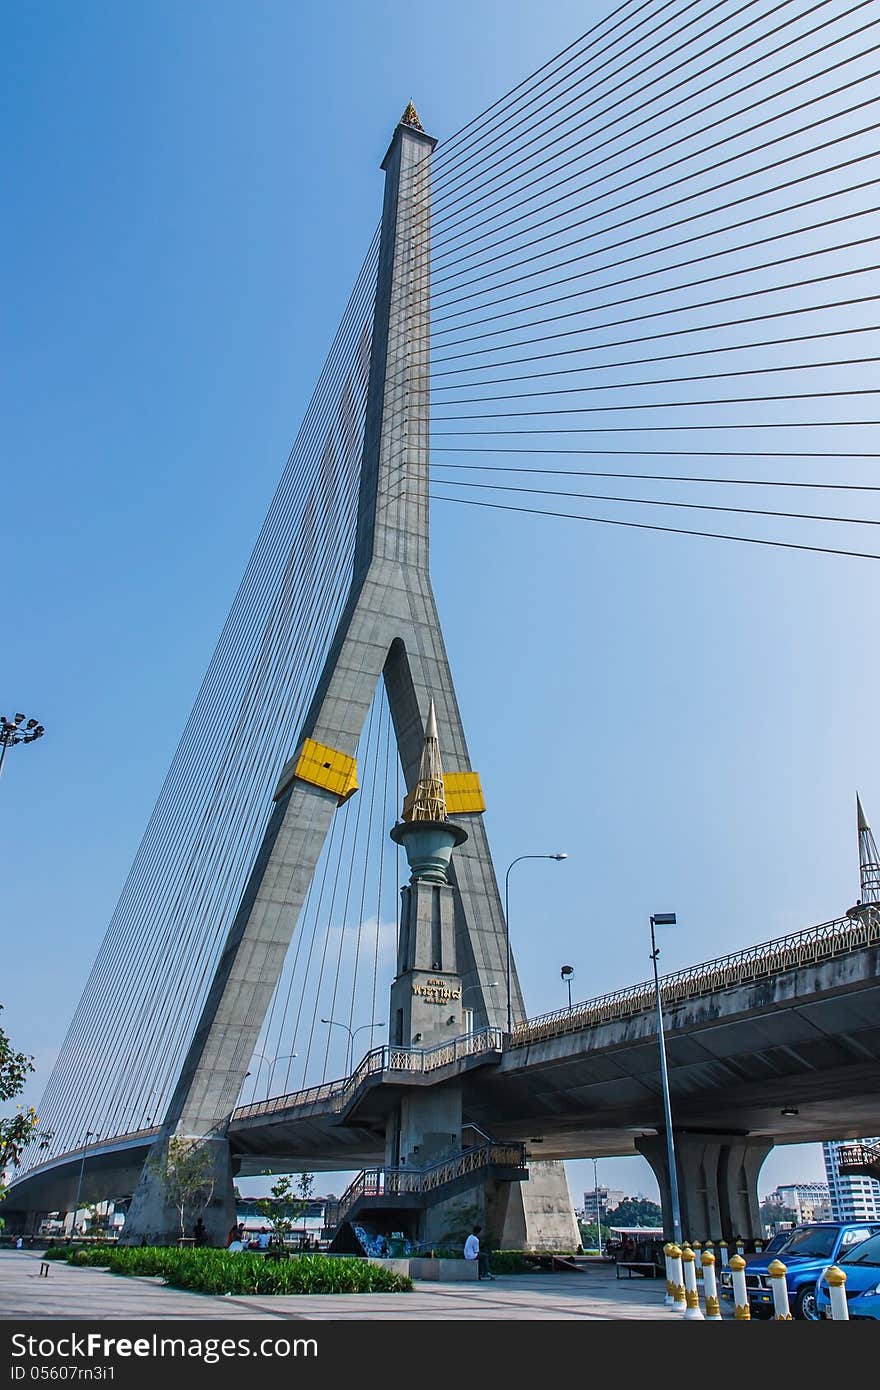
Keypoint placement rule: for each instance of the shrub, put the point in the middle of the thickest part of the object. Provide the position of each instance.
(239, 1272)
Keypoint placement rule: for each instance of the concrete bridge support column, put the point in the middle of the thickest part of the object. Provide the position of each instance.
(533, 1215)
(153, 1218)
(717, 1183)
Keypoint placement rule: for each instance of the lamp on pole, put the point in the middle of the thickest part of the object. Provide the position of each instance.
(598, 1210)
(666, 919)
(12, 732)
(507, 916)
(89, 1134)
(352, 1032)
(282, 1057)
(566, 973)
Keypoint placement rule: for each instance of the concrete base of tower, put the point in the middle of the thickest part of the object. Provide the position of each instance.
(202, 1167)
(717, 1183)
(532, 1215)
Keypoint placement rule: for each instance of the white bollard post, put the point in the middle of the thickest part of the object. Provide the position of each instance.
(740, 1246)
(698, 1267)
(710, 1285)
(692, 1311)
(835, 1278)
(776, 1270)
(741, 1310)
(670, 1298)
(678, 1304)
(722, 1253)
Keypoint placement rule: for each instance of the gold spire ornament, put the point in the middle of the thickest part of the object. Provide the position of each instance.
(427, 800)
(411, 117)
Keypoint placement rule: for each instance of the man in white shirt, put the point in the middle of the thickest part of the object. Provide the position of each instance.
(472, 1252)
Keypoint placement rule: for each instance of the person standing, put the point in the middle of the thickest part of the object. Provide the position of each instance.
(472, 1252)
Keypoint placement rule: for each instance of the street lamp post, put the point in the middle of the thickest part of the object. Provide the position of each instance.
(271, 1064)
(566, 973)
(89, 1134)
(352, 1033)
(666, 919)
(598, 1211)
(283, 1057)
(507, 917)
(11, 733)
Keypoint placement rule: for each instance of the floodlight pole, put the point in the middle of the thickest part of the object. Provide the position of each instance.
(666, 918)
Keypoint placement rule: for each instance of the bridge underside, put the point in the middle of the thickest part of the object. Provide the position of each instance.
(807, 1039)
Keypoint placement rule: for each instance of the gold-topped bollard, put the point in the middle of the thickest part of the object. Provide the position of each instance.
(678, 1304)
(692, 1310)
(698, 1267)
(740, 1246)
(667, 1255)
(835, 1278)
(741, 1309)
(710, 1285)
(722, 1253)
(777, 1270)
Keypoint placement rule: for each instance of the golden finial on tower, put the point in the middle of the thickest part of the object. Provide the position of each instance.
(427, 800)
(411, 117)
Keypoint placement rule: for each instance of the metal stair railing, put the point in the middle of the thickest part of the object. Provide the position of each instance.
(415, 1060)
(404, 1181)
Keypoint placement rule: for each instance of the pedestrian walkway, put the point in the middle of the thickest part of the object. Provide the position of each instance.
(93, 1294)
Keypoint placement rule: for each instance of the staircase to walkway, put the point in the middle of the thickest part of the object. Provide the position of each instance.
(378, 1188)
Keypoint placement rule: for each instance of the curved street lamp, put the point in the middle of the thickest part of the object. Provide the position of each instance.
(507, 917)
(352, 1032)
(282, 1057)
(16, 730)
(89, 1134)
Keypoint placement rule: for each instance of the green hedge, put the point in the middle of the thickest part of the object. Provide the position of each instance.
(239, 1272)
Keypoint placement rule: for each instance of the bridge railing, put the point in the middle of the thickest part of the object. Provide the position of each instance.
(405, 1181)
(859, 1158)
(807, 947)
(414, 1060)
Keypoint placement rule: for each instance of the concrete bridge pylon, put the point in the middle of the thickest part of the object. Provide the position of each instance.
(389, 629)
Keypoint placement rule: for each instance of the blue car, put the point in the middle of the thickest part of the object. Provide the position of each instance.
(861, 1265)
(806, 1254)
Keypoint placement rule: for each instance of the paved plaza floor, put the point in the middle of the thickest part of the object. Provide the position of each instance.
(594, 1293)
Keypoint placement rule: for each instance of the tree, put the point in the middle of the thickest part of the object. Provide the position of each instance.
(18, 1130)
(635, 1211)
(289, 1199)
(185, 1169)
(593, 1237)
(775, 1214)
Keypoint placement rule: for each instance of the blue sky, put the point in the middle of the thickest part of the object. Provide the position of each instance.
(194, 188)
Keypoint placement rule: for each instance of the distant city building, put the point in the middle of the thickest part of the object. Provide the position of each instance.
(609, 1198)
(852, 1198)
(810, 1201)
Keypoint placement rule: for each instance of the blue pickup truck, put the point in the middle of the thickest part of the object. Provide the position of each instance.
(806, 1254)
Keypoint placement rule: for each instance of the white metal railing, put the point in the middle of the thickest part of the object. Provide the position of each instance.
(859, 1158)
(415, 1060)
(808, 947)
(381, 1183)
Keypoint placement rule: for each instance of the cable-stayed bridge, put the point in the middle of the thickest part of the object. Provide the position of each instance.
(659, 245)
